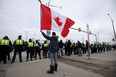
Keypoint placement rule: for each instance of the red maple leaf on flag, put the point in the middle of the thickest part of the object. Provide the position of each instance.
(57, 19)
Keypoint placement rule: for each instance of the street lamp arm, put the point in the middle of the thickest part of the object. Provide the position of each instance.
(110, 17)
(99, 31)
(56, 6)
(48, 4)
(24, 30)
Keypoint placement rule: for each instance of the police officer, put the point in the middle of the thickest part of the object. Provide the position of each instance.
(87, 48)
(4, 48)
(30, 49)
(18, 48)
(10, 49)
(61, 45)
(80, 49)
(37, 49)
(45, 49)
(83, 48)
(68, 48)
(98, 48)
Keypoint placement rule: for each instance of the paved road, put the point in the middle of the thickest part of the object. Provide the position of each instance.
(101, 63)
(107, 56)
(38, 68)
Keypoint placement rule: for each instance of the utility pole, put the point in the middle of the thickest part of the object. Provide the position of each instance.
(88, 33)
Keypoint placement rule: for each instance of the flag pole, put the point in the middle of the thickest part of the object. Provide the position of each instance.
(40, 15)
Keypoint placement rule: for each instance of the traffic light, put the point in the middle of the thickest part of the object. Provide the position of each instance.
(79, 29)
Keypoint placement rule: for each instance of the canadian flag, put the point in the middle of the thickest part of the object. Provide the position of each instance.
(51, 20)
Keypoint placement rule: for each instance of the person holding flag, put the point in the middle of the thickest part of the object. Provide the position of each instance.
(53, 46)
(51, 20)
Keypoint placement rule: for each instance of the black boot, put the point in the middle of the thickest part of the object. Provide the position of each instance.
(55, 68)
(51, 71)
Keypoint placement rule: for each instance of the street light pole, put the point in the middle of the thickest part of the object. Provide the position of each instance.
(98, 34)
(25, 32)
(113, 28)
(96, 38)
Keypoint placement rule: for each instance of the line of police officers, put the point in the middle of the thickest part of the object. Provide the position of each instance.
(33, 48)
(78, 48)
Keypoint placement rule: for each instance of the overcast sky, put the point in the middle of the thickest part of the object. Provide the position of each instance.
(19, 16)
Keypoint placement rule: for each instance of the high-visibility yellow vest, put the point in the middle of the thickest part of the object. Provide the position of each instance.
(5, 42)
(0, 41)
(84, 46)
(70, 45)
(36, 45)
(19, 42)
(45, 45)
(92, 46)
(30, 44)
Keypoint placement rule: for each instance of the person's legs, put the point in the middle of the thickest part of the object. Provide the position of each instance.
(46, 54)
(55, 62)
(8, 56)
(52, 58)
(39, 53)
(27, 57)
(14, 56)
(88, 51)
(4, 57)
(31, 55)
(20, 56)
(51, 71)
(36, 54)
(43, 54)
(55, 58)
(62, 52)
(81, 51)
(59, 52)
